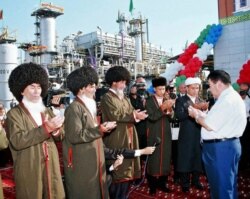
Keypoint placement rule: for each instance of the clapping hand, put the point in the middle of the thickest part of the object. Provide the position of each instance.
(106, 127)
(167, 105)
(140, 115)
(193, 112)
(53, 124)
(201, 106)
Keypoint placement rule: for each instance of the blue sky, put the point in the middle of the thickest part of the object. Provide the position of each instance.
(171, 22)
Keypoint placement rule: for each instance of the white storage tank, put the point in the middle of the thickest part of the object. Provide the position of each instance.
(48, 33)
(8, 61)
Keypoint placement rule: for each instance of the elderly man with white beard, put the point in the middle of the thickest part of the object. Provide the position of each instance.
(32, 130)
(83, 153)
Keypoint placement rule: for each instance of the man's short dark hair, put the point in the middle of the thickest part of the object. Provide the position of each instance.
(116, 74)
(221, 75)
(81, 77)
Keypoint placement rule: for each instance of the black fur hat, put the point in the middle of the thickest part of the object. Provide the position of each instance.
(116, 74)
(80, 78)
(159, 81)
(27, 74)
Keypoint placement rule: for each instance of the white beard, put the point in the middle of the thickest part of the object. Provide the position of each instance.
(35, 109)
(90, 104)
(120, 93)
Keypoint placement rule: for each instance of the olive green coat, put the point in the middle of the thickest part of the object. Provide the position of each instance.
(3, 145)
(36, 163)
(158, 126)
(121, 111)
(83, 156)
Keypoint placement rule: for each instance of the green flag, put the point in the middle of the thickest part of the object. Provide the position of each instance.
(131, 6)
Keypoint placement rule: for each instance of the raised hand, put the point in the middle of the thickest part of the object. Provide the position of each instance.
(201, 106)
(147, 150)
(140, 115)
(167, 105)
(54, 123)
(107, 127)
(118, 161)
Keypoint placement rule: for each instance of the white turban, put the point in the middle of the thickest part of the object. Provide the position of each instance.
(192, 80)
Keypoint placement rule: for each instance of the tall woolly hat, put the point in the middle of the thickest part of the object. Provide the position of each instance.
(81, 77)
(116, 74)
(27, 74)
(159, 81)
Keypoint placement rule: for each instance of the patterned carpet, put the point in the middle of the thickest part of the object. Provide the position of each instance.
(143, 191)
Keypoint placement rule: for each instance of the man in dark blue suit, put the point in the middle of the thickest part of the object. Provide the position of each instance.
(189, 149)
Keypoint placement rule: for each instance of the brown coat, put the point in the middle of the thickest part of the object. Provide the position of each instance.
(83, 156)
(3, 145)
(36, 163)
(123, 136)
(158, 126)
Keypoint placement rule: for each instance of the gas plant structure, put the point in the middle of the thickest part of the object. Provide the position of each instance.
(130, 48)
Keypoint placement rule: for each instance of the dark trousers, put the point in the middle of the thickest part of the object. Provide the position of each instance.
(156, 182)
(221, 164)
(174, 160)
(244, 163)
(5, 157)
(185, 178)
(119, 190)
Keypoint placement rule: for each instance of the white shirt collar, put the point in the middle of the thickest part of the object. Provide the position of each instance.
(192, 98)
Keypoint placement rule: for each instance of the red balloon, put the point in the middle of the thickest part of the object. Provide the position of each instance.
(239, 81)
(244, 66)
(182, 72)
(241, 72)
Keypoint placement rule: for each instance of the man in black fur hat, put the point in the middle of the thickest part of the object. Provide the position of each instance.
(31, 130)
(83, 155)
(159, 112)
(117, 107)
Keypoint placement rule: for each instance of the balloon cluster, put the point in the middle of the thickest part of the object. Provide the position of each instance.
(203, 34)
(188, 53)
(195, 63)
(191, 60)
(244, 76)
(214, 34)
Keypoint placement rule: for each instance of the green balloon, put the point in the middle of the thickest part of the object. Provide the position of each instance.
(236, 86)
(183, 78)
(208, 26)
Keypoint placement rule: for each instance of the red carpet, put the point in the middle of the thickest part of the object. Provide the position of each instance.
(143, 191)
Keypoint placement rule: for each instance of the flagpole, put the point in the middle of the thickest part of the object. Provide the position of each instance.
(1, 18)
(131, 7)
